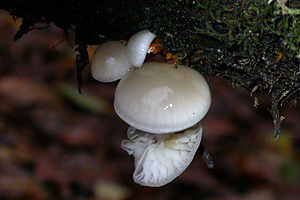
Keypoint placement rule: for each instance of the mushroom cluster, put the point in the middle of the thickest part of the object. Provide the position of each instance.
(113, 59)
(164, 105)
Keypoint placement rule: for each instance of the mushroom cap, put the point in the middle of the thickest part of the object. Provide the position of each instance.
(161, 158)
(138, 47)
(159, 98)
(110, 62)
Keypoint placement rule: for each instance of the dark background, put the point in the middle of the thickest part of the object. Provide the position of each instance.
(58, 144)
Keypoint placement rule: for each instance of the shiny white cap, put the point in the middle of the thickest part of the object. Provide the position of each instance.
(159, 98)
(138, 47)
(110, 62)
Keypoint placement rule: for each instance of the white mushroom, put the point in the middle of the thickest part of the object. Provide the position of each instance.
(110, 62)
(159, 98)
(161, 158)
(138, 47)
(164, 105)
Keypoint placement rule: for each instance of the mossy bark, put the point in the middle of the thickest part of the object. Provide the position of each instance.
(253, 43)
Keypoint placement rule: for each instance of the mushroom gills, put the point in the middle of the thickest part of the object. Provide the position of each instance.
(159, 159)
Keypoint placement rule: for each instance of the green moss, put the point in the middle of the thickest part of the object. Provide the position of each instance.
(240, 22)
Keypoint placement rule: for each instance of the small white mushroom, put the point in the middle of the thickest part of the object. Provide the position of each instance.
(161, 158)
(138, 47)
(110, 62)
(159, 98)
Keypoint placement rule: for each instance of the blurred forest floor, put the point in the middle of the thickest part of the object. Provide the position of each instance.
(58, 144)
